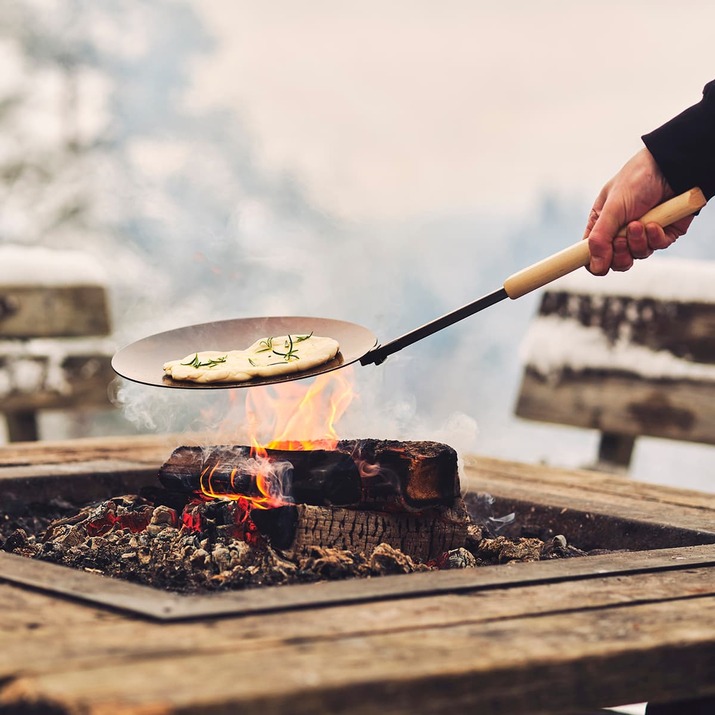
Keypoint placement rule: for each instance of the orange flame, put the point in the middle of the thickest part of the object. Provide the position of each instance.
(297, 417)
(265, 480)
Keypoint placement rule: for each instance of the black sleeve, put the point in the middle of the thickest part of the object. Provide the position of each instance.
(684, 147)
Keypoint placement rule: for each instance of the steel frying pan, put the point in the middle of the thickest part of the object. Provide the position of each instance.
(142, 361)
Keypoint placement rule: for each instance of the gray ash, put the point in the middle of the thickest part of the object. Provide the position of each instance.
(209, 546)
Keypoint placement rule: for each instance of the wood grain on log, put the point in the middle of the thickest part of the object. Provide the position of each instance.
(421, 536)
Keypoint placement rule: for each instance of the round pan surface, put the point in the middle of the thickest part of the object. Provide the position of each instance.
(142, 361)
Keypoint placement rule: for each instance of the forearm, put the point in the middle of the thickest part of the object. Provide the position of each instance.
(684, 147)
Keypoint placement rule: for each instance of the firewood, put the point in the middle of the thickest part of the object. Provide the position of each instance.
(413, 475)
(318, 476)
(296, 529)
(382, 475)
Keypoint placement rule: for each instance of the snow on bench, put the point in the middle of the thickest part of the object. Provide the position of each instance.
(629, 354)
(54, 319)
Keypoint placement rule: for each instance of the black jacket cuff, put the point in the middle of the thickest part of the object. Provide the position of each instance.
(684, 147)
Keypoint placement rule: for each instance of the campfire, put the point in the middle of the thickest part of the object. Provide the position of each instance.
(285, 510)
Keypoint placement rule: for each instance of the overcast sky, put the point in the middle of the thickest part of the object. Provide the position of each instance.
(408, 106)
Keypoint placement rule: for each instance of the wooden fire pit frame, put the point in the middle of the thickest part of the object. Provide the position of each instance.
(556, 637)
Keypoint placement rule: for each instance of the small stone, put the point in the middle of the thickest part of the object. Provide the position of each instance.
(17, 540)
(457, 559)
(221, 557)
(164, 515)
(560, 541)
(199, 558)
(239, 550)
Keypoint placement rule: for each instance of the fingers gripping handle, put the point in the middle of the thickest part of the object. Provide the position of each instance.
(576, 256)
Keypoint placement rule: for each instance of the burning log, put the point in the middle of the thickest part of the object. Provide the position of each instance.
(412, 475)
(295, 529)
(369, 474)
(418, 474)
(318, 477)
(404, 494)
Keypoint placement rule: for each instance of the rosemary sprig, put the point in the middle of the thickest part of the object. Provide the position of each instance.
(211, 362)
(290, 348)
(289, 344)
(268, 343)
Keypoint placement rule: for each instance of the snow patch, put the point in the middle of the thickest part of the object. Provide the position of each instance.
(39, 266)
(664, 279)
(553, 344)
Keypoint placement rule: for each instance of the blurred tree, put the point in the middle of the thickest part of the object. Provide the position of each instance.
(104, 146)
(46, 136)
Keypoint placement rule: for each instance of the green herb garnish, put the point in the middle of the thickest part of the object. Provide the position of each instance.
(211, 362)
(267, 345)
(290, 348)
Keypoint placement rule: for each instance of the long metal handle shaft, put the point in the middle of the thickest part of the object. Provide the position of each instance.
(538, 275)
(378, 354)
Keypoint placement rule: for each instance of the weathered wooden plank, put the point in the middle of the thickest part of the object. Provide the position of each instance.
(623, 404)
(32, 626)
(549, 663)
(555, 645)
(152, 449)
(684, 328)
(163, 606)
(593, 517)
(24, 611)
(612, 490)
(53, 311)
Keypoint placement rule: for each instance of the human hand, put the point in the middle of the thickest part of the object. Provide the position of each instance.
(634, 190)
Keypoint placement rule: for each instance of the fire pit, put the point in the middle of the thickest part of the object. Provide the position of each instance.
(552, 636)
(218, 519)
(275, 511)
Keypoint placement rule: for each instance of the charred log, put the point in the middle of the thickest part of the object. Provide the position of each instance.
(295, 530)
(410, 475)
(371, 474)
(318, 477)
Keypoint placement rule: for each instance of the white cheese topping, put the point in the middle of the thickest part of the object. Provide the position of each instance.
(265, 358)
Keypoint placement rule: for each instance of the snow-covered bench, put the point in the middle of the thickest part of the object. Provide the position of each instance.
(54, 319)
(629, 354)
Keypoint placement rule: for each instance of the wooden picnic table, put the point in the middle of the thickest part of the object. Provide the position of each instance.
(561, 636)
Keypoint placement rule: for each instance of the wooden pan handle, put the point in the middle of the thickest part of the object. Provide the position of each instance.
(577, 256)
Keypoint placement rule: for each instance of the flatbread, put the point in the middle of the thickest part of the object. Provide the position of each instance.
(268, 357)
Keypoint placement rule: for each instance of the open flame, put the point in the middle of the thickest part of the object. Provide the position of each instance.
(289, 416)
(292, 415)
